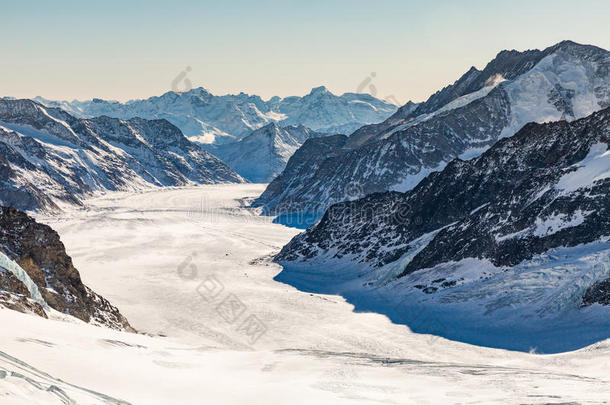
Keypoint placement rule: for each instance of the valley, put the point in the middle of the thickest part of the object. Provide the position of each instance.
(136, 248)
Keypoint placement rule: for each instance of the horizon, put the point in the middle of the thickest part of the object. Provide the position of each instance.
(265, 99)
(404, 51)
(322, 86)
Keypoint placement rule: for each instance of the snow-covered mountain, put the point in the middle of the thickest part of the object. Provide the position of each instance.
(38, 277)
(47, 155)
(206, 118)
(566, 81)
(516, 239)
(263, 154)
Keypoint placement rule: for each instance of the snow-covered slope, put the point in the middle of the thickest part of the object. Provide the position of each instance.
(206, 118)
(567, 80)
(47, 155)
(44, 362)
(263, 154)
(516, 239)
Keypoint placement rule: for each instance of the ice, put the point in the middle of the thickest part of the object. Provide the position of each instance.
(8, 264)
(529, 93)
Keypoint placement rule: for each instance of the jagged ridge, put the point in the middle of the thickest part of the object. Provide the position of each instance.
(207, 118)
(263, 154)
(567, 80)
(46, 154)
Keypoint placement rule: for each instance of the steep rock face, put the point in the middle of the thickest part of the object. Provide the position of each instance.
(206, 118)
(367, 133)
(542, 188)
(302, 166)
(373, 167)
(566, 81)
(15, 192)
(46, 154)
(15, 295)
(16, 301)
(263, 154)
(37, 249)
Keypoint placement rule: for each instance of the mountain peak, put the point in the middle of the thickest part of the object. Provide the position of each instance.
(199, 90)
(567, 42)
(572, 46)
(195, 92)
(319, 90)
(272, 126)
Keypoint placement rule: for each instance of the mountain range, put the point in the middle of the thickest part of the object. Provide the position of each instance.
(500, 250)
(207, 118)
(49, 157)
(262, 155)
(565, 81)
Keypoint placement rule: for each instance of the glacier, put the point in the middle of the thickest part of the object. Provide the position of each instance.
(317, 346)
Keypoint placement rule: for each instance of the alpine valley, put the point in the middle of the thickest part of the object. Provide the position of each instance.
(456, 250)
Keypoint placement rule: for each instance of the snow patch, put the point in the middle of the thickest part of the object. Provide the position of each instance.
(557, 222)
(594, 167)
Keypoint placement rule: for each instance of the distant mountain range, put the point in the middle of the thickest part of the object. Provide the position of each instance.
(47, 156)
(207, 118)
(565, 81)
(263, 154)
(500, 250)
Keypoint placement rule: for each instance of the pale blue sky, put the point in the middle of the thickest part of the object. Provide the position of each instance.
(134, 49)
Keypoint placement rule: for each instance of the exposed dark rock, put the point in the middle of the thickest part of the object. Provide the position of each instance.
(37, 249)
(20, 303)
(9, 282)
(504, 206)
(598, 293)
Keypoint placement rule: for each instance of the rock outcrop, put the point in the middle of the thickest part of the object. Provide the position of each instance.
(49, 272)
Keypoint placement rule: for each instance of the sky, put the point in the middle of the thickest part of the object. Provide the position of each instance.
(395, 50)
